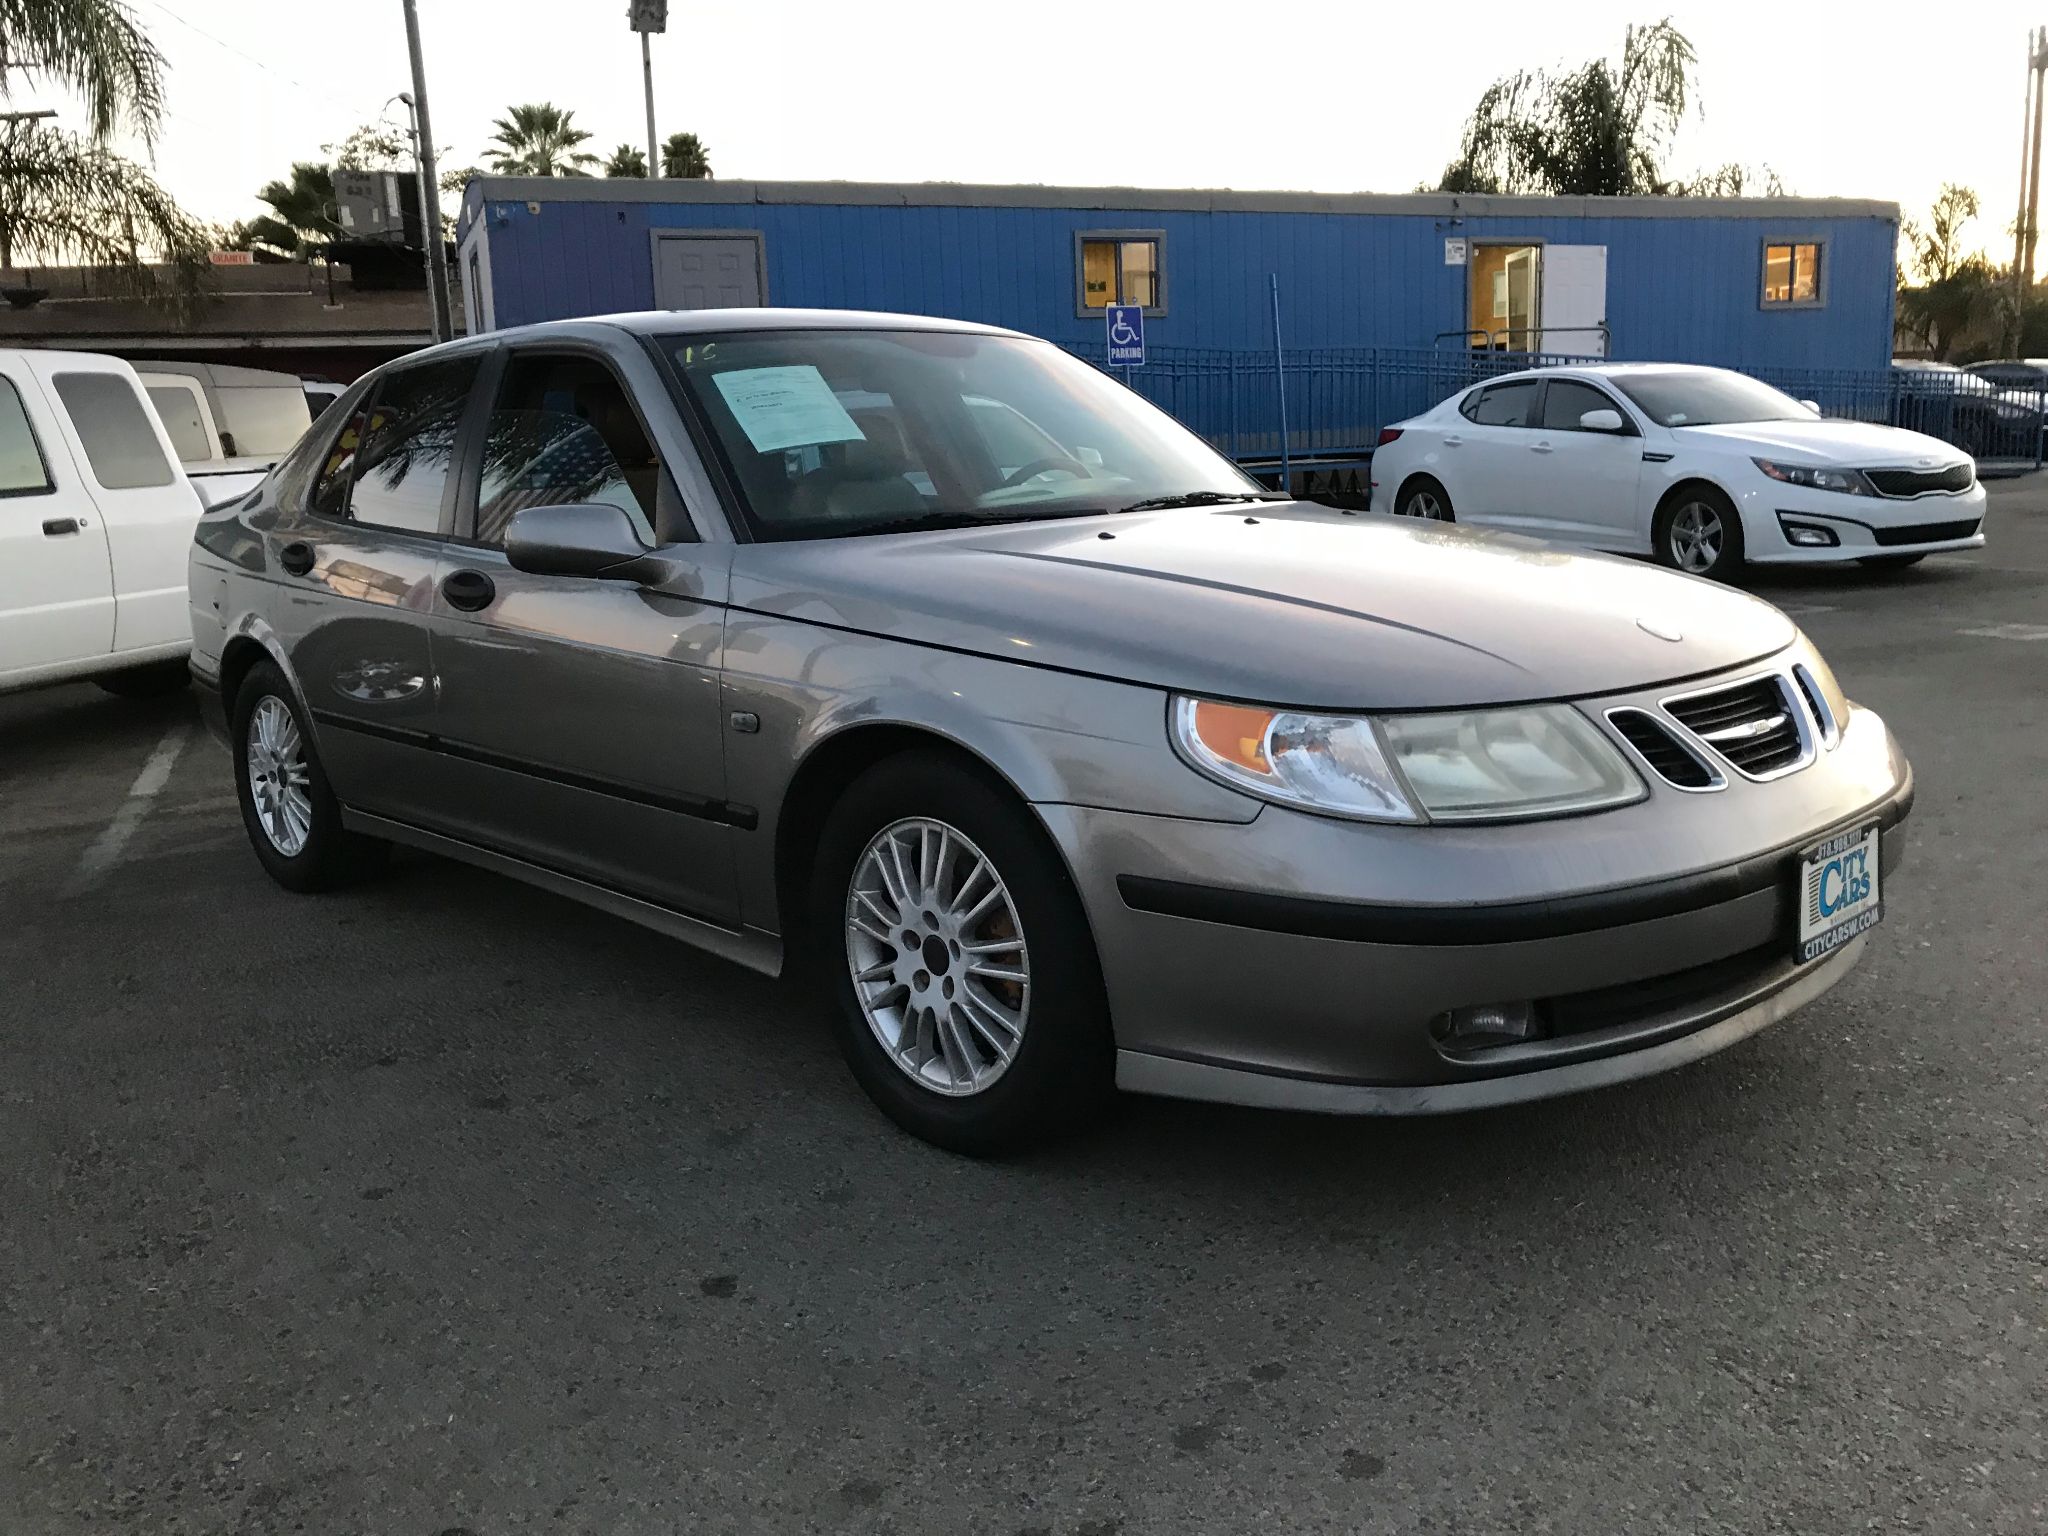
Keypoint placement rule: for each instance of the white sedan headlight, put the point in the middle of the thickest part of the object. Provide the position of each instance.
(1467, 765)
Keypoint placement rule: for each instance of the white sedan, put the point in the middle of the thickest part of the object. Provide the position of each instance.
(1700, 467)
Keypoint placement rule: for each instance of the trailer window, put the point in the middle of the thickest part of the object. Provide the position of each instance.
(22, 470)
(113, 427)
(1792, 274)
(1121, 266)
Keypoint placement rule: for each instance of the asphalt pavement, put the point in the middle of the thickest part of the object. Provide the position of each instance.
(444, 1205)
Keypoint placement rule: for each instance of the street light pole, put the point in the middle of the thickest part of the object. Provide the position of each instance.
(647, 77)
(430, 185)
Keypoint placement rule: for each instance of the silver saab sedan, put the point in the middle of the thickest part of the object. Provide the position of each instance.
(926, 660)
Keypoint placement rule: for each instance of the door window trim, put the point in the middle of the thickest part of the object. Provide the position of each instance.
(1629, 428)
(670, 514)
(367, 404)
(35, 438)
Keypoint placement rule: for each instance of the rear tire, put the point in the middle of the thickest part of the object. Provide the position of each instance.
(290, 813)
(1698, 531)
(1425, 498)
(1890, 562)
(158, 680)
(967, 996)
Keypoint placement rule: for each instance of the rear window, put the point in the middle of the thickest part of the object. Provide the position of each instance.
(1501, 405)
(114, 428)
(22, 470)
(264, 422)
(178, 410)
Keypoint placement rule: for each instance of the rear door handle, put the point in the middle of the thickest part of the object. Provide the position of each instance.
(296, 557)
(57, 527)
(1540, 448)
(1453, 442)
(468, 590)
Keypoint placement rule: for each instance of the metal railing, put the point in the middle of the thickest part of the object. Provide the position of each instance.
(1338, 399)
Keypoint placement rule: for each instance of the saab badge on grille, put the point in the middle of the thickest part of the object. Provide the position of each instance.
(1661, 631)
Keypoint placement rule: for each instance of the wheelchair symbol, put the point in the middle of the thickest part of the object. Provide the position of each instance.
(1121, 333)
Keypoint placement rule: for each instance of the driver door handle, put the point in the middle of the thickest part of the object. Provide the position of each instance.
(1453, 441)
(468, 590)
(1540, 448)
(57, 527)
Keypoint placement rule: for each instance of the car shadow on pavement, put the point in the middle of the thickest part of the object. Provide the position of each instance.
(49, 729)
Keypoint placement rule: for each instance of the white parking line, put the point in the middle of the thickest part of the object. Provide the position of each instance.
(107, 848)
(2009, 632)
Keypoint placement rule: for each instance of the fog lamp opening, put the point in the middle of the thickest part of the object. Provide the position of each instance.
(1809, 535)
(1486, 1025)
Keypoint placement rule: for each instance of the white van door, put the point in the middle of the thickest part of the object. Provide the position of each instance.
(1575, 300)
(181, 406)
(56, 580)
(149, 507)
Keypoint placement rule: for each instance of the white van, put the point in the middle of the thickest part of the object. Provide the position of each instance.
(96, 522)
(228, 424)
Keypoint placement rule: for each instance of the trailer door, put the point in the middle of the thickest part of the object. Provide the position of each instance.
(1575, 299)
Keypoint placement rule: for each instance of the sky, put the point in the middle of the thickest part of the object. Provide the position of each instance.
(1853, 98)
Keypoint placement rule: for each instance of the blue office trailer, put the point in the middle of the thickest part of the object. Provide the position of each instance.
(1766, 284)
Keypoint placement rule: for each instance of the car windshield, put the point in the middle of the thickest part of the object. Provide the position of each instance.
(1708, 399)
(835, 432)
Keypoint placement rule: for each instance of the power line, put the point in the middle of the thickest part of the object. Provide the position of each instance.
(250, 58)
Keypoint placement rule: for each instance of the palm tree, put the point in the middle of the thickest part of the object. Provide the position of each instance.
(683, 156)
(1599, 130)
(626, 161)
(68, 197)
(303, 215)
(540, 139)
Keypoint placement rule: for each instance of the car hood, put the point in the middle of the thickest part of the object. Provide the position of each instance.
(1285, 604)
(1854, 443)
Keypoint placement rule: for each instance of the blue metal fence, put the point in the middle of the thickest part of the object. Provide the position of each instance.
(1339, 398)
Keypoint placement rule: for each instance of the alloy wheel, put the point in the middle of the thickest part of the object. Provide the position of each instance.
(1425, 506)
(1696, 536)
(279, 777)
(938, 957)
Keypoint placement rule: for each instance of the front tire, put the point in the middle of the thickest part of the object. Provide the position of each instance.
(968, 1000)
(292, 817)
(1699, 532)
(1424, 498)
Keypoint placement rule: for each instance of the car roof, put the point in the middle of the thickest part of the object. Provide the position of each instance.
(1595, 371)
(695, 322)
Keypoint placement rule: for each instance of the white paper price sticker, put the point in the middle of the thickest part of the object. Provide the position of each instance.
(791, 407)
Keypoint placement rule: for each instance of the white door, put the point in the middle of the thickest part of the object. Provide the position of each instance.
(707, 272)
(1581, 484)
(148, 507)
(1575, 299)
(56, 583)
(1486, 461)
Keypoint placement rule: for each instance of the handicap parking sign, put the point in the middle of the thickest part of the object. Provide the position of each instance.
(1126, 329)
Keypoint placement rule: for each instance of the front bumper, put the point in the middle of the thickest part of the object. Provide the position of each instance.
(1313, 980)
(1863, 527)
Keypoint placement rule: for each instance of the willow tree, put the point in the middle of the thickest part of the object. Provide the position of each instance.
(68, 196)
(1603, 129)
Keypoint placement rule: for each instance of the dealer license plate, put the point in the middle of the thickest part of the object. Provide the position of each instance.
(1838, 892)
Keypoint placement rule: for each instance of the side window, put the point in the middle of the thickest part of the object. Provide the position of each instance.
(1567, 400)
(1121, 267)
(114, 427)
(1792, 273)
(22, 470)
(406, 448)
(1502, 405)
(178, 409)
(330, 484)
(562, 432)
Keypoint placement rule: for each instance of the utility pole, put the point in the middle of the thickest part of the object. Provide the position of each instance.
(2026, 231)
(648, 17)
(430, 184)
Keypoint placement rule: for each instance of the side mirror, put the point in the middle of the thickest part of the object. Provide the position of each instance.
(592, 539)
(1602, 420)
(1812, 405)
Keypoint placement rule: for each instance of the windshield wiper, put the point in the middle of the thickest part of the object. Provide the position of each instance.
(1202, 499)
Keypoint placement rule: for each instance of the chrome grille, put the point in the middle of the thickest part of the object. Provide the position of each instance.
(1758, 726)
(1662, 752)
(1902, 483)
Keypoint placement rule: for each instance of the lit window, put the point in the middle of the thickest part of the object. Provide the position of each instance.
(1118, 268)
(1792, 274)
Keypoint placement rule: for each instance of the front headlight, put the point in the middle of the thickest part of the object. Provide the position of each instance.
(1849, 482)
(1479, 765)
